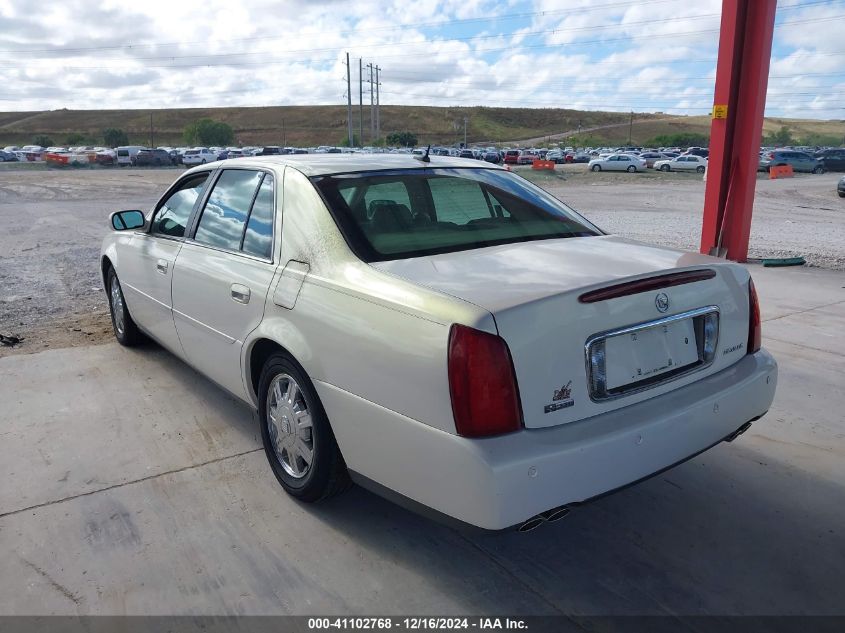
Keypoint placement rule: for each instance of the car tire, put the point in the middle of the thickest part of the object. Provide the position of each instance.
(203, 162)
(300, 425)
(818, 170)
(841, 194)
(596, 168)
(631, 169)
(700, 169)
(125, 330)
(665, 168)
(2, 160)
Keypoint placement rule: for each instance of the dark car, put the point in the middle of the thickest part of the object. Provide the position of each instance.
(152, 158)
(492, 157)
(699, 151)
(467, 153)
(7, 157)
(273, 150)
(840, 188)
(832, 159)
(799, 161)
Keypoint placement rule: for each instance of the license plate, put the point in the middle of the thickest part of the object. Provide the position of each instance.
(649, 352)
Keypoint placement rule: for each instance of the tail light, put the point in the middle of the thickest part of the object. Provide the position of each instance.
(485, 399)
(755, 334)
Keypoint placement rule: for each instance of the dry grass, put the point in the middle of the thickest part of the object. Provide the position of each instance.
(315, 125)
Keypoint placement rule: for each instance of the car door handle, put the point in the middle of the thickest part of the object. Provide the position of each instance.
(240, 293)
(161, 266)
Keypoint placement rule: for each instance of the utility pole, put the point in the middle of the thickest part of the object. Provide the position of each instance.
(465, 132)
(630, 128)
(360, 103)
(372, 109)
(152, 140)
(349, 101)
(284, 134)
(378, 106)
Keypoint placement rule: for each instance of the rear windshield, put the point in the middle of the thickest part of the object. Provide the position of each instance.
(412, 213)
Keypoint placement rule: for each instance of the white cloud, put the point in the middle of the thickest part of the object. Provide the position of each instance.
(647, 55)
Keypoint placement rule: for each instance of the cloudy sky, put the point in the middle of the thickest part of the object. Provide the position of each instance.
(642, 55)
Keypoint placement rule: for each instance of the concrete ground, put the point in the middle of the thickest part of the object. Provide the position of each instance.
(132, 485)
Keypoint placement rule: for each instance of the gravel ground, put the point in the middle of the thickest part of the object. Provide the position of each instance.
(53, 222)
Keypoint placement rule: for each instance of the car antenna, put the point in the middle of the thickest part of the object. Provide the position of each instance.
(424, 158)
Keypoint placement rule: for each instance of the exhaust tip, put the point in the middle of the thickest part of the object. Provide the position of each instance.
(531, 524)
(549, 516)
(555, 514)
(738, 432)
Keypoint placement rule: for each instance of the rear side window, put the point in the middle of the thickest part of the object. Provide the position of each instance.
(225, 214)
(172, 216)
(258, 238)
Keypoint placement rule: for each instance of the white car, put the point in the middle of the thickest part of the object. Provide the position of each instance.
(199, 156)
(442, 331)
(687, 162)
(617, 162)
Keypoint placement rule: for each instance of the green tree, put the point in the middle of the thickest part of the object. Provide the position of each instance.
(115, 137)
(780, 138)
(821, 140)
(75, 138)
(209, 132)
(43, 140)
(404, 139)
(681, 139)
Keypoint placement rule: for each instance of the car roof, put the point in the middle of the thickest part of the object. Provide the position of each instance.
(324, 164)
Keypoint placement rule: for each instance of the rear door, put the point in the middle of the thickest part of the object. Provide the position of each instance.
(223, 271)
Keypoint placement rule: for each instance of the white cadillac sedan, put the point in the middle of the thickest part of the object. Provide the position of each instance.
(618, 162)
(443, 332)
(687, 162)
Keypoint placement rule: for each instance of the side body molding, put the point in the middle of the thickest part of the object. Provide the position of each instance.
(289, 284)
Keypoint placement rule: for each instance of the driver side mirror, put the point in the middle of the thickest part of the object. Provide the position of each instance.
(127, 220)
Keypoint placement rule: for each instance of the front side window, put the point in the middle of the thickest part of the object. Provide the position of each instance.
(171, 218)
(427, 211)
(225, 214)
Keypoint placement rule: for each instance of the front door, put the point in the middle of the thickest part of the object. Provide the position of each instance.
(223, 272)
(146, 268)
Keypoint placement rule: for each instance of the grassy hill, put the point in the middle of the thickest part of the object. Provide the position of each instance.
(326, 125)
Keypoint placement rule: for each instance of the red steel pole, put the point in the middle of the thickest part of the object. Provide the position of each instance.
(742, 74)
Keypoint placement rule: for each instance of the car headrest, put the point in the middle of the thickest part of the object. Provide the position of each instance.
(390, 217)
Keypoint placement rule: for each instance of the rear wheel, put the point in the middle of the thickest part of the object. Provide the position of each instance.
(665, 168)
(700, 169)
(631, 169)
(297, 436)
(125, 330)
(818, 170)
(596, 167)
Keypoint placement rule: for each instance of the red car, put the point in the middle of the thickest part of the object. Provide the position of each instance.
(512, 156)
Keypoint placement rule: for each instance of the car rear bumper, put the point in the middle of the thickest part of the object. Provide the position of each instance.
(500, 482)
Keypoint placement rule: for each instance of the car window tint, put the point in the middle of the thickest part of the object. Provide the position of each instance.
(172, 216)
(224, 216)
(258, 239)
(459, 201)
(386, 193)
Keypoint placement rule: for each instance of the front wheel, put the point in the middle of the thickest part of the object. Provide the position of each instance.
(665, 168)
(596, 168)
(297, 436)
(203, 162)
(700, 169)
(125, 330)
(631, 169)
(818, 170)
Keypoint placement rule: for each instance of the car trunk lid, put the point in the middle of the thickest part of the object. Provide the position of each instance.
(551, 299)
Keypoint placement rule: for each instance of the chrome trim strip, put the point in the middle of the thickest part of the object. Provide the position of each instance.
(602, 336)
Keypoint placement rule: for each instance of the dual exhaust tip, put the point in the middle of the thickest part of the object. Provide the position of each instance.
(549, 516)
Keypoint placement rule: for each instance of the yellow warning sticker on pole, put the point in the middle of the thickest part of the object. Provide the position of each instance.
(720, 111)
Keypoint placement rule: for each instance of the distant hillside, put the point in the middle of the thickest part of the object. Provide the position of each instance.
(326, 125)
